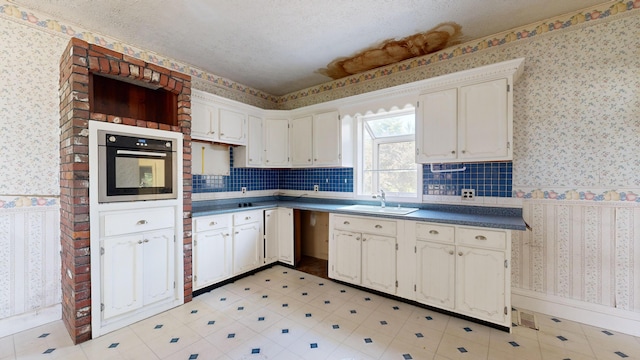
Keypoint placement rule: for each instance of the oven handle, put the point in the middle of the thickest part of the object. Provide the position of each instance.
(146, 153)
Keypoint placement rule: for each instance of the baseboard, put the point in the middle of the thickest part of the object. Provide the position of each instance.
(15, 324)
(605, 317)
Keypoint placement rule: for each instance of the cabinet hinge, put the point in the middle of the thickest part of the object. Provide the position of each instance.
(418, 104)
(288, 126)
(195, 277)
(417, 151)
(195, 242)
(508, 145)
(396, 283)
(506, 264)
(505, 310)
(396, 247)
(101, 250)
(174, 284)
(101, 307)
(415, 249)
(508, 87)
(415, 287)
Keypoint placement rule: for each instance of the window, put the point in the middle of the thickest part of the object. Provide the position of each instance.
(386, 156)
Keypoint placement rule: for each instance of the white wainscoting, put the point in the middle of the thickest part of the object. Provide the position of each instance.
(29, 267)
(583, 256)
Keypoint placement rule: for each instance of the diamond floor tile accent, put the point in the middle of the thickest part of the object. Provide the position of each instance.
(239, 322)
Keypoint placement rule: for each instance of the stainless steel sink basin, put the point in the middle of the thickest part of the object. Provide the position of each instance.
(379, 210)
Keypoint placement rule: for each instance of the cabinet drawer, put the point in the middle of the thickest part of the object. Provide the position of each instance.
(126, 222)
(442, 233)
(496, 239)
(210, 223)
(247, 217)
(367, 225)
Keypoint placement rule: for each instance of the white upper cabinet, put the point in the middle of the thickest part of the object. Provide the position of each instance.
(466, 123)
(317, 140)
(276, 142)
(216, 119)
(301, 134)
(437, 126)
(484, 126)
(467, 116)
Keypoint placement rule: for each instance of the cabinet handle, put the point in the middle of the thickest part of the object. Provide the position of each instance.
(460, 253)
(315, 159)
(364, 239)
(146, 240)
(142, 222)
(464, 151)
(480, 237)
(247, 217)
(308, 160)
(378, 226)
(225, 234)
(433, 232)
(250, 159)
(237, 232)
(358, 238)
(267, 160)
(221, 134)
(213, 223)
(450, 252)
(346, 223)
(453, 151)
(139, 241)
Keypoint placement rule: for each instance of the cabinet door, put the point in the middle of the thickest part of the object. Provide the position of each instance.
(436, 127)
(246, 247)
(158, 265)
(379, 262)
(301, 134)
(254, 142)
(435, 278)
(271, 234)
(483, 129)
(202, 120)
(276, 138)
(344, 256)
(212, 257)
(285, 236)
(326, 139)
(232, 127)
(480, 283)
(121, 268)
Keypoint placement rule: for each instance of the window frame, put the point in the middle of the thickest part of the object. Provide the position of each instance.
(359, 160)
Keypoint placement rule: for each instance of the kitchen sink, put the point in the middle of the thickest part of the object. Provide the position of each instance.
(373, 209)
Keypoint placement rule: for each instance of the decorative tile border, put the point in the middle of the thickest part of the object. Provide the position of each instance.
(12, 202)
(598, 195)
(594, 13)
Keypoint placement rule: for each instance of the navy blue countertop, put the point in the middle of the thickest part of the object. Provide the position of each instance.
(493, 217)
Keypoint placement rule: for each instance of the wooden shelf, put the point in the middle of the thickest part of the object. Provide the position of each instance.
(126, 99)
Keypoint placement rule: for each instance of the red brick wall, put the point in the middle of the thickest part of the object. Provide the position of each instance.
(78, 61)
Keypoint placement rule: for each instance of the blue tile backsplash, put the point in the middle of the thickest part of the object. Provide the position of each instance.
(492, 179)
(487, 179)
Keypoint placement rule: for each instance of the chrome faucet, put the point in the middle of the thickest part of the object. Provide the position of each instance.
(382, 198)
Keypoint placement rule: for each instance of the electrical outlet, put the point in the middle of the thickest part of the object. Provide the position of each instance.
(316, 188)
(244, 190)
(468, 194)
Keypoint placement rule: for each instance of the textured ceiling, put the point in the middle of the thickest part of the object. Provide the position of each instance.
(277, 46)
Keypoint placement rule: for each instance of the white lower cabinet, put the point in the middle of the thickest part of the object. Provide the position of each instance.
(362, 251)
(278, 236)
(212, 250)
(463, 269)
(225, 246)
(137, 268)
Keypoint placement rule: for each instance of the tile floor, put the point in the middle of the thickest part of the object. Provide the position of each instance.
(281, 313)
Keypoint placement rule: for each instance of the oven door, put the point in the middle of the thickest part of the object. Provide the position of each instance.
(134, 174)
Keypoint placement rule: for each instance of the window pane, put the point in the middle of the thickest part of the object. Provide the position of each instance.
(392, 126)
(399, 182)
(367, 152)
(397, 155)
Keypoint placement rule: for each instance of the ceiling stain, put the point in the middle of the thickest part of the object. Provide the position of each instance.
(392, 51)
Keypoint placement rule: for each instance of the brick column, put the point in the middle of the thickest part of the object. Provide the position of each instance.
(79, 60)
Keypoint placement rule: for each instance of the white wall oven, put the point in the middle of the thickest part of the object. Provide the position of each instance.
(135, 168)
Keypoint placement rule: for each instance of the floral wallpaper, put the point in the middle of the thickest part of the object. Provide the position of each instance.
(29, 111)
